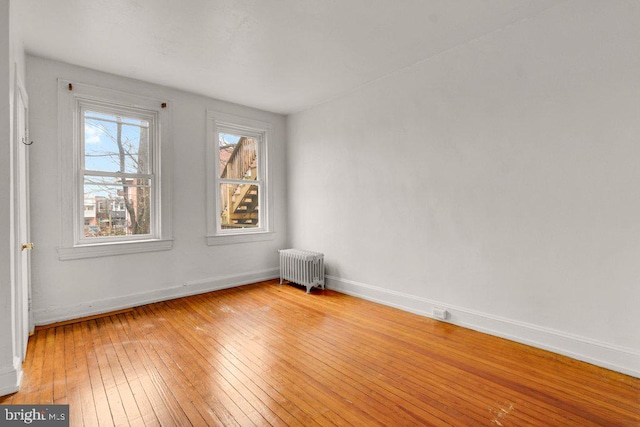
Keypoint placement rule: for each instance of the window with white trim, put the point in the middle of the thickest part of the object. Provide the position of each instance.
(115, 192)
(237, 176)
(117, 151)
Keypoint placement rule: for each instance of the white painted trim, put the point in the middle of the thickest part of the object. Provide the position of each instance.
(11, 377)
(606, 355)
(60, 314)
(20, 273)
(113, 248)
(240, 238)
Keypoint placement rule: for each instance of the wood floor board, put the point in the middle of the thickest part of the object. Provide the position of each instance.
(231, 361)
(473, 364)
(83, 392)
(70, 372)
(292, 358)
(385, 379)
(149, 402)
(327, 378)
(363, 386)
(270, 354)
(100, 397)
(117, 389)
(59, 375)
(122, 348)
(423, 376)
(501, 347)
(81, 319)
(280, 316)
(231, 371)
(214, 391)
(48, 357)
(222, 399)
(525, 368)
(593, 417)
(274, 368)
(354, 358)
(174, 390)
(164, 403)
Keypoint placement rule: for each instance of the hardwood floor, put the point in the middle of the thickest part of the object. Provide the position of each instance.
(269, 354)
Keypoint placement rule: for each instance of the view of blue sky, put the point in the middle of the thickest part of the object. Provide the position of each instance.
(100, 145)
(101, 152)
(228, 139)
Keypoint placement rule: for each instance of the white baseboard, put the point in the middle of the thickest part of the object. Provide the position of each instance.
(598, 353)
(50, 315)
(11, 377)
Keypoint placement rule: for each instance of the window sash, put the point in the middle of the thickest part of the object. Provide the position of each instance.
(227, 226)
(123, 112)
(113, 109)
(117, 187)
(257, 137)
(226, 128)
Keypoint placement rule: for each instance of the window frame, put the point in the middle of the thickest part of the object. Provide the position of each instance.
(221, 122)
(74, 99)
(152, 118)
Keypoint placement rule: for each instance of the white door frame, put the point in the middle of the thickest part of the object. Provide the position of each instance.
(21, 218)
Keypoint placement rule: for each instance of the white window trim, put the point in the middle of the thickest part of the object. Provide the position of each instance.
(215, 234)
(71, 97)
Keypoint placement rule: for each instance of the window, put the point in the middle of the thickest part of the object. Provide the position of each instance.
(116, 164)
(110, 144)
(237, 172)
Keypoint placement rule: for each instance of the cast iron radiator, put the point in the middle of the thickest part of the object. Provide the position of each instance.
(305, 268)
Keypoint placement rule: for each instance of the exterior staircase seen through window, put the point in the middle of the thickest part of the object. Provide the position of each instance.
(240, 201)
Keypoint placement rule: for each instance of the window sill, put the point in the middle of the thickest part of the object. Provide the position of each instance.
(112, 249)
(228, 239)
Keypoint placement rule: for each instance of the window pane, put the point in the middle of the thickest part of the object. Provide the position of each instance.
(113, 208)
(115, 144)
(112, 118)
(239, 204)
(238, 156)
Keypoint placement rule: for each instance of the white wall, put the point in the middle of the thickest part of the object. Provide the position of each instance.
(499, 179)
(68, 289)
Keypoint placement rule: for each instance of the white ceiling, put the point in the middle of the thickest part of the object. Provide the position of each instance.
(278, 55)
